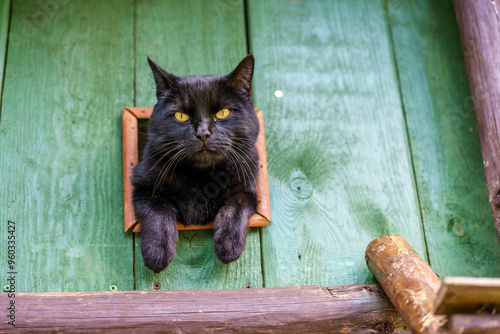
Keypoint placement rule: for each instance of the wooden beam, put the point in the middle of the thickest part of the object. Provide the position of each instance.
(345, 309)
(479, 27)
(473, 324)
(467, 295)
(409, 282)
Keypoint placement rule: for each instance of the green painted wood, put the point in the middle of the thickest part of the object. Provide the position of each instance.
(187, 38)
(338, 156)
(69, 73)
(447, 156)
(4, 30)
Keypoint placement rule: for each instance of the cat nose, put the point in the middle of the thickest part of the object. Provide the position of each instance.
(203, 135)
(203, 131)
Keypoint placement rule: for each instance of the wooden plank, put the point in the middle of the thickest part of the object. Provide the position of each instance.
(188, 38)
(347, 309)
(4, 31)
(444, 141)
(339, 166)
(474, 324)
(467, 295)
(409, 282)
(60, 145)
(479, 26)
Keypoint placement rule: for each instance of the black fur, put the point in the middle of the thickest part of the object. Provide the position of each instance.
(199, 170)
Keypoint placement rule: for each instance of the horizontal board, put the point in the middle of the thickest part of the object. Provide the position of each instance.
(360, 309)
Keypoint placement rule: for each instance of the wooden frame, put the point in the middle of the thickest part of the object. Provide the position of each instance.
(130, 130)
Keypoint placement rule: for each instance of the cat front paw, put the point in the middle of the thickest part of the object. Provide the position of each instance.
(231, 229)
(156, 257)
(229, 249)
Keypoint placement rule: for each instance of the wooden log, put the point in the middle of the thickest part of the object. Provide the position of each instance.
(479, 27)
(409, 282)
(346, 309)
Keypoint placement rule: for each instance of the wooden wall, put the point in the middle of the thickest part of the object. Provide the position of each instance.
(374, 134)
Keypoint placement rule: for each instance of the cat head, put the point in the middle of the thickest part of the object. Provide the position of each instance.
(204, 120)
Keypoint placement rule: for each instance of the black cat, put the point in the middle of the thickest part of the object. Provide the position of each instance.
(200, 163)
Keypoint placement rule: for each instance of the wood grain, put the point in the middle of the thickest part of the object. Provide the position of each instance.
(444, 142)
(60, 147)
(130, 145)
(339, 165)
(468, 295)
(188, 38)
(479, 26)
(4, 31)
(409, 282)
(347, 309)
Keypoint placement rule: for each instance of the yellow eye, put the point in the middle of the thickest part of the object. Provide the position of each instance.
(223, 113)
(180, 116)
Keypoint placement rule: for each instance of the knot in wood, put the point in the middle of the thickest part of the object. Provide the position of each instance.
(301, 187)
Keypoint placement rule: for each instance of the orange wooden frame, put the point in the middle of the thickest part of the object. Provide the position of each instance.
(130, 130)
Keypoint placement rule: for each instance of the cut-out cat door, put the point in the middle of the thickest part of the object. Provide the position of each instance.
(130, 130)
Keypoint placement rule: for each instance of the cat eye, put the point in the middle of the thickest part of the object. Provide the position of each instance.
(180, 116)
(223, 113)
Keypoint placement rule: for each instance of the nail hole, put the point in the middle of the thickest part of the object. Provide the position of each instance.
(157, 285)
(248, 286)
(113, 288)
(6, 288)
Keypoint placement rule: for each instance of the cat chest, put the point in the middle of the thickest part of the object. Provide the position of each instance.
(198, 201)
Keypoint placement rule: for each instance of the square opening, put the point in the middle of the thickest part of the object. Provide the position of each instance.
(134, 130)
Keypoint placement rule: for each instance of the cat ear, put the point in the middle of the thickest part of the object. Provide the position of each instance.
(241, 77)
(163, 79)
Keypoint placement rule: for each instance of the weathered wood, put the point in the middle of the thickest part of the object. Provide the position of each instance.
(473, 324)
(189, 38)
(479, 26)
(409, 282)
(346, 309)
(4, 31)
(444, 140)
(130, 146)
(339, 165)
(68, 74)
(467, 295)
